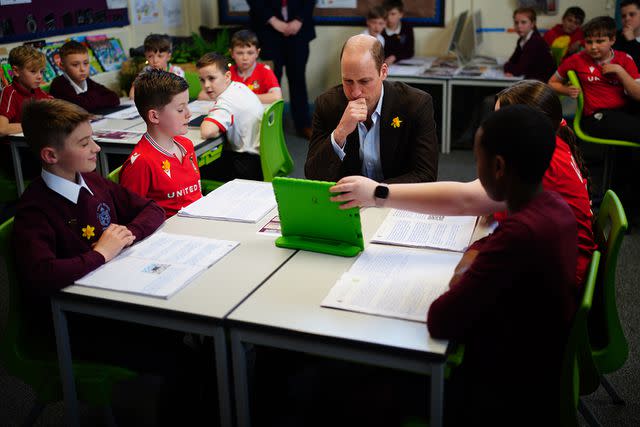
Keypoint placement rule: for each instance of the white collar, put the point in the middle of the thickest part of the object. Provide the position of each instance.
(392, 32)
(526, 38)
(67, 189)
(79, 88)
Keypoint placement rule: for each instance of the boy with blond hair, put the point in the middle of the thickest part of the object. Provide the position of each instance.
(245, 50)
(27, 65)
(75, 85)
(163, 165)
(237, 112)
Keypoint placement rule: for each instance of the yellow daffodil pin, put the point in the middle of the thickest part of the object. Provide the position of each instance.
(166, 165)
(88, 232)
(396, 122)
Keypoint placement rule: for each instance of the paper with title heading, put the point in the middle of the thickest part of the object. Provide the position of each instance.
(394, 282)
(405, 228)
(158, 266)
(238, 200)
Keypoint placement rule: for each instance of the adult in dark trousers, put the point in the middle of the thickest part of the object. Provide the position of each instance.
(285, 28)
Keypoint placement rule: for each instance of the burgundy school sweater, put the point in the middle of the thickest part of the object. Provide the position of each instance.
(52, 249)
(94, 99)
(512, 309)
(533, 61)
(401, 45)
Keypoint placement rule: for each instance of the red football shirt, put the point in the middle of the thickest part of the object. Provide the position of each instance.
(156, 174)
(601, 92)
(12, 98)
(556, 37)
(261, 80)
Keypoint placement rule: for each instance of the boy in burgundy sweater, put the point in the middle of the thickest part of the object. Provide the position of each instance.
(510, 299)
(75, 85)
(70, 220)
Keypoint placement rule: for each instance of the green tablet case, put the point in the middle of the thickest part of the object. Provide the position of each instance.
(310, 221)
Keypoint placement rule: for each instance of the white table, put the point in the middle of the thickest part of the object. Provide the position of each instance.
(198, 308)
(285, 313)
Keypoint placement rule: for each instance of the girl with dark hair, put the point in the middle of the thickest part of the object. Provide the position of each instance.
(566, 175)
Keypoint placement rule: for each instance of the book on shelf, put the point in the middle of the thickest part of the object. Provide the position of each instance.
(108, 51)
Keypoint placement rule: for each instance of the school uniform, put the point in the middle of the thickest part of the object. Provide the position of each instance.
(14, 96)
(399, 42)
(157, 174)
(238, 113)
(380, 37)
(531, 58)
(608, 111)
(88, 94)
(516, 294)
(260, 79)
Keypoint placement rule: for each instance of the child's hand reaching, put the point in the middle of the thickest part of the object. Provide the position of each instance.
(113, 240)
(573, 91)
(612, 69)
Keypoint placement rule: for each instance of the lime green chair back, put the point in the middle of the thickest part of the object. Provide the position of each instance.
(27, 359)
(573, 78)
(114, 175)
(610, 348)
(579, 375)
(558, 53)
(194, 84)
(274, 155)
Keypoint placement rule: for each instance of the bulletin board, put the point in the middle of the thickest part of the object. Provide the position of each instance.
(420, 13)
(38, 19)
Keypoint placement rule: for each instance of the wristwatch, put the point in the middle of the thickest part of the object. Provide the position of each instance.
(381, 193)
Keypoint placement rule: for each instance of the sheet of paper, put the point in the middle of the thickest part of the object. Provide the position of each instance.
(407, 228)
(160, 265)
(126, 114)
(237, 200)
(106, 135)
(394, 282)
(199, 107)
(406, 70)
(271, 228)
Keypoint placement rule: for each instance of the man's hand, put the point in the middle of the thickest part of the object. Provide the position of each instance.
(462, 267)
(293, 27)
(356, 190)
(113, 240)
(279, 25)
(355, 112)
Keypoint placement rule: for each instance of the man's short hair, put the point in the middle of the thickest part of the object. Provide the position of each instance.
(26, 56)
(524, 137)
(213, 58)
(155, 89)
(377, 12)
(389, 5)
(624, 3)
(376, 51)
(600, 26)
(244, 38)
(48, 122)
(576, 12)
(158, 43)
(71, 47)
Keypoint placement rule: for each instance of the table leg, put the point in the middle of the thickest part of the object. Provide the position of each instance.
(66, 364)
(222, 373)
(104, 164)
(239, 356)
(445, 128)
(17, 167)
(446, 146)
(437, 395)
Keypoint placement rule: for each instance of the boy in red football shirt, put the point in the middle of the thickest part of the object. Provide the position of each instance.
(163, 165)
(568, 35)
(609, 80)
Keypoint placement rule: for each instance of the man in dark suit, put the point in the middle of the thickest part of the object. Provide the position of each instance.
(284, 29)
(367, 126)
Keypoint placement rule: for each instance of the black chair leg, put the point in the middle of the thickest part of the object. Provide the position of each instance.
(613, 393)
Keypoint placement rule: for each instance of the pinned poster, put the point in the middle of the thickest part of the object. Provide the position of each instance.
(146, 12)
(172, 12)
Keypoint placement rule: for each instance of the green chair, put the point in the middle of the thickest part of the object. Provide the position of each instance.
(274, 155)
(558, 53)
(114, 175)
(194, 84)
(609, 345)
(24, 356)
(610, 143)
(579, 374)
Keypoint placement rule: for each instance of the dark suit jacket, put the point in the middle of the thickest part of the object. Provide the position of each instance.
(408, 153)
(261, 10)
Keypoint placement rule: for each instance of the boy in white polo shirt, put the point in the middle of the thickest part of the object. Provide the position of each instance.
(238, 113)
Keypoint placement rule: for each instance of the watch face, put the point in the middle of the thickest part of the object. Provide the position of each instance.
(381, 192)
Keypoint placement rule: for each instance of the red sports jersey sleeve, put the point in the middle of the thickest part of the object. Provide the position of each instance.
(8, 104)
